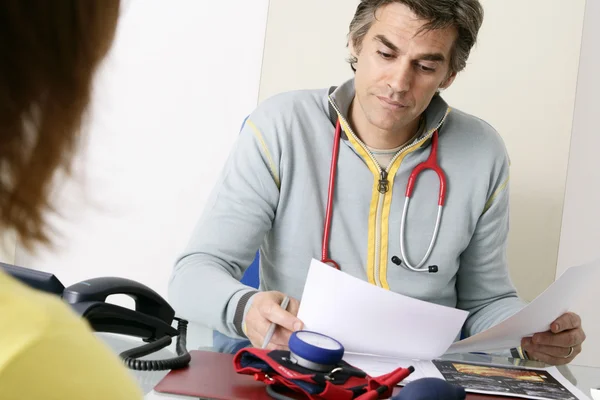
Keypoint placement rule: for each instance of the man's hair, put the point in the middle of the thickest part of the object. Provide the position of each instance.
(49, 51)
(465, 15)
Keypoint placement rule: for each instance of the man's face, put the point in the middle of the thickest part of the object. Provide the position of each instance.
(398, 72)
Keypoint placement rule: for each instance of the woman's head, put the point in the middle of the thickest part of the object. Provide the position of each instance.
(49, 52)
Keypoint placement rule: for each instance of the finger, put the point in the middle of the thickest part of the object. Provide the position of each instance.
(565, 322)
(553, 351)
(274, 313)
(273, 346)
(568, 338)
(293, 307)
(281, 337)
(279, 340)
(548, 359)
(552, 360)
(256, 331)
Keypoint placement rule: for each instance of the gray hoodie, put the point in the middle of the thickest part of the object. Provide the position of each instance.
(272, 196)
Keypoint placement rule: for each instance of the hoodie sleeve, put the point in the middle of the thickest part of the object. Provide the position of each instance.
(484, 286)
(205, 284)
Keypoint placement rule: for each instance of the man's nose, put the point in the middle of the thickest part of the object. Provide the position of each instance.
(401, 79)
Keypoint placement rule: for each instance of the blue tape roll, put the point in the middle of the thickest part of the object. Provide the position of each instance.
(316, 348)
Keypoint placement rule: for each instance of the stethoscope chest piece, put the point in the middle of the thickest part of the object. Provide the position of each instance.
(315, 351)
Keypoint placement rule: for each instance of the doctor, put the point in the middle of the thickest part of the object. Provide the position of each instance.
(295, 191)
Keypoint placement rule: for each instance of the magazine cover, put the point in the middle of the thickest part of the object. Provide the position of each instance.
(520, 382)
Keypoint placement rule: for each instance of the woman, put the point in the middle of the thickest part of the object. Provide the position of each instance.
(49, 51)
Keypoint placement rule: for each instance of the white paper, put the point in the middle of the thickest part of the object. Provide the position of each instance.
(370, 320)
(377, 366)
(567, 293)
(566, 383)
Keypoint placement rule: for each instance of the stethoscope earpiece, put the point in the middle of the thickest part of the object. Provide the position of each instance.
(432, 268)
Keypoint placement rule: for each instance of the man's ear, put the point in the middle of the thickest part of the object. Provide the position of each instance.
(448, 81)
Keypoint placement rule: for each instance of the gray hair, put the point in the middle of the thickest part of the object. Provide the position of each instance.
(465, 15)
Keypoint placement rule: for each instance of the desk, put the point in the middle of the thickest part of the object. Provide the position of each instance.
(582, 377)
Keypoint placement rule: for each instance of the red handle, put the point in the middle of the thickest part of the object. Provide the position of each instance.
(387, 384)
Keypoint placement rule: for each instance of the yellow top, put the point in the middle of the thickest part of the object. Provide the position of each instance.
(47, 352)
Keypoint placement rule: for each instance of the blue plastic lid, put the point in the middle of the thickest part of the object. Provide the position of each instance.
(316, 348)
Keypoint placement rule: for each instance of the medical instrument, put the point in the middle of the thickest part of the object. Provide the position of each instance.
(334, 158)
(314, 367)
(271, 331)
(315, 351)
(430, 163)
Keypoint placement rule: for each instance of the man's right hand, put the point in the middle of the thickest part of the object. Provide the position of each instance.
(265, 309)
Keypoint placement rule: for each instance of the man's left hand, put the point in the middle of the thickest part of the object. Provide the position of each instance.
(560, 345)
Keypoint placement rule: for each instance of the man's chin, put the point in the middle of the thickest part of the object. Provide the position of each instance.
(385, 124)
(390, 120)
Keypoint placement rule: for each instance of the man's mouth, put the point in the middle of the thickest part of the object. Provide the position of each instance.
(389, 103)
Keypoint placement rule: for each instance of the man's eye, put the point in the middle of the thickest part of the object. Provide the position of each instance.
(385, 56)
(426, 68)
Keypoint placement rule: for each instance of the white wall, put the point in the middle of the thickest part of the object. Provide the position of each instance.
(169, 103)
(580, 236)
(305, 45)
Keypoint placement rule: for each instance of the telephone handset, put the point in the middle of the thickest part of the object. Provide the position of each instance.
(151, 320)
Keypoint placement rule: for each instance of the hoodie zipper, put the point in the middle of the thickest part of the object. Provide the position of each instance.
(384, 184)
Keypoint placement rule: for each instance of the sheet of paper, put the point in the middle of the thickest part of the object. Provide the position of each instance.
(370, 320)
(567, 293)
(377, 366)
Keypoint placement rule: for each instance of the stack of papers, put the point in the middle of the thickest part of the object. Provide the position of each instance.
(370, 320)
(382, 331)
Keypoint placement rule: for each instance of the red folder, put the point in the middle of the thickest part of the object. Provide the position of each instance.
(211, 375)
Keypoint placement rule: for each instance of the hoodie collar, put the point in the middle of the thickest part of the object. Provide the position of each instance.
(435, 113)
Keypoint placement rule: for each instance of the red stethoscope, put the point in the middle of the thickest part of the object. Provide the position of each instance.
(430, 163)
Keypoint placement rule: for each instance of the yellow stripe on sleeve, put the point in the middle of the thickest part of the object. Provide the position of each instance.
(260, 138)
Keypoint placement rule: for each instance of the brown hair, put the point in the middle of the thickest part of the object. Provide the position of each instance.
(49, 51)
(465, 15)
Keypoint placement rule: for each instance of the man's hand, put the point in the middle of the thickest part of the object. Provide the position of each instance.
(560, 345)
(265, 309)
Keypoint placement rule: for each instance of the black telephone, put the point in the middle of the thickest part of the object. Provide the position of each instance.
(151, 320)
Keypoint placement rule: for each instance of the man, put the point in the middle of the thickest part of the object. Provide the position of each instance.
(50, 51)
(274, 190)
